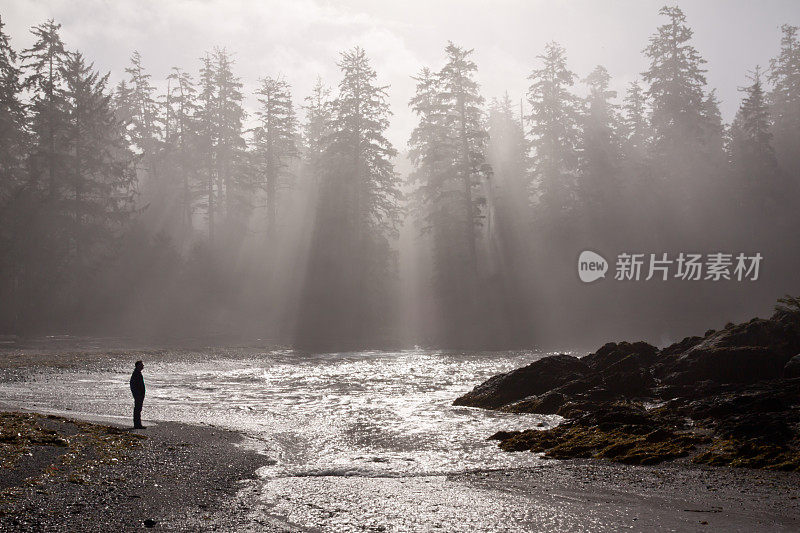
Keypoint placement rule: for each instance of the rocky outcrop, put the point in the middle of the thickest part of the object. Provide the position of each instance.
(538, 377)
(745, 353)
(746, 364)
(617, 369)
(792, 367)
(731, 397)
(621, 356)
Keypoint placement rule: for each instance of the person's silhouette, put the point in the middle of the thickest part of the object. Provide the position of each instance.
(137, 389)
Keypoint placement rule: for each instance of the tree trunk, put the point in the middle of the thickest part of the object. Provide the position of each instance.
(469, 227)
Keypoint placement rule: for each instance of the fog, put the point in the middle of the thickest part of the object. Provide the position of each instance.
(366, 175)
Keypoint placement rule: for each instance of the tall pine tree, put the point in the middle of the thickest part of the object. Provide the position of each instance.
(752, 155)
(784, 101)
(17, 202)
(554, 132)
(42, 63)
(349, 289)
(600, 152)
(181, 137)
(463, 101)
(101, 185)
(274, 142)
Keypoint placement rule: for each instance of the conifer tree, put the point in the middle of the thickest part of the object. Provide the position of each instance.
(43, 251)
(686, 150)
(274, 141)
(554, 132)
(507, 152)
(600, 147)
(17, 202)
(508, 239)
(436, 198)
(352, 266)
(433, 153)
(144, 128)
(638, 192)
(448, 149)
(461, 97)
(316, 129)
(101, 185)
(677, 81)
(226, 186)
(42, 62)
(230, 144)
(751, 152)
(361, 118)
(13, 120)
(181, 136)
(784, 101)
(206, 140)
(635, 121)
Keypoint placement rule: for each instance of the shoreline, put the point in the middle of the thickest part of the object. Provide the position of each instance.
(103, 475)
(207, 481)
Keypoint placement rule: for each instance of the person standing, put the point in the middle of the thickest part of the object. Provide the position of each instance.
(137, 389)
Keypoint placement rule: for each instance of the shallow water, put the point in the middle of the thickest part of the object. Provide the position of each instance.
(384, 421)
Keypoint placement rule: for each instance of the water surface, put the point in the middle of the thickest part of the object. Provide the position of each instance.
(348, 432)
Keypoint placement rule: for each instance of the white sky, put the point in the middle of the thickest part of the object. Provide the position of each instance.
(300, 39)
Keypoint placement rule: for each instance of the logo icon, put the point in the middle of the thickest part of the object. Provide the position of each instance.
(591, 266)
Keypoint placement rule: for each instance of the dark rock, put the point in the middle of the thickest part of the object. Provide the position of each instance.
(621, 432)
(624, 368)
(536, 378)
(735, 392)
(613, 415)
(792, 368)
(774, 427)
(659, 435)
(575, 409)
(600, 394)
(747, 364)
(637, 353)
(150, 523)
(742, 353)
(545, 404)
(578, 386)
(698, 389)
(779, 336)
(503, 435)
(720, 403)
(682, 346)
(631, 383)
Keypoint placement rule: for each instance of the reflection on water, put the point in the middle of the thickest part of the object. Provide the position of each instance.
(373, 415)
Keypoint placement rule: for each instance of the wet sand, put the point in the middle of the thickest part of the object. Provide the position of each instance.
(674, 496)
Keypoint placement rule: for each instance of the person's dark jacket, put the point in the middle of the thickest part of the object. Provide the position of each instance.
(137, 384)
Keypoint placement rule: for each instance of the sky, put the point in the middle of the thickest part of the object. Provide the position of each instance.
(302, 39)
